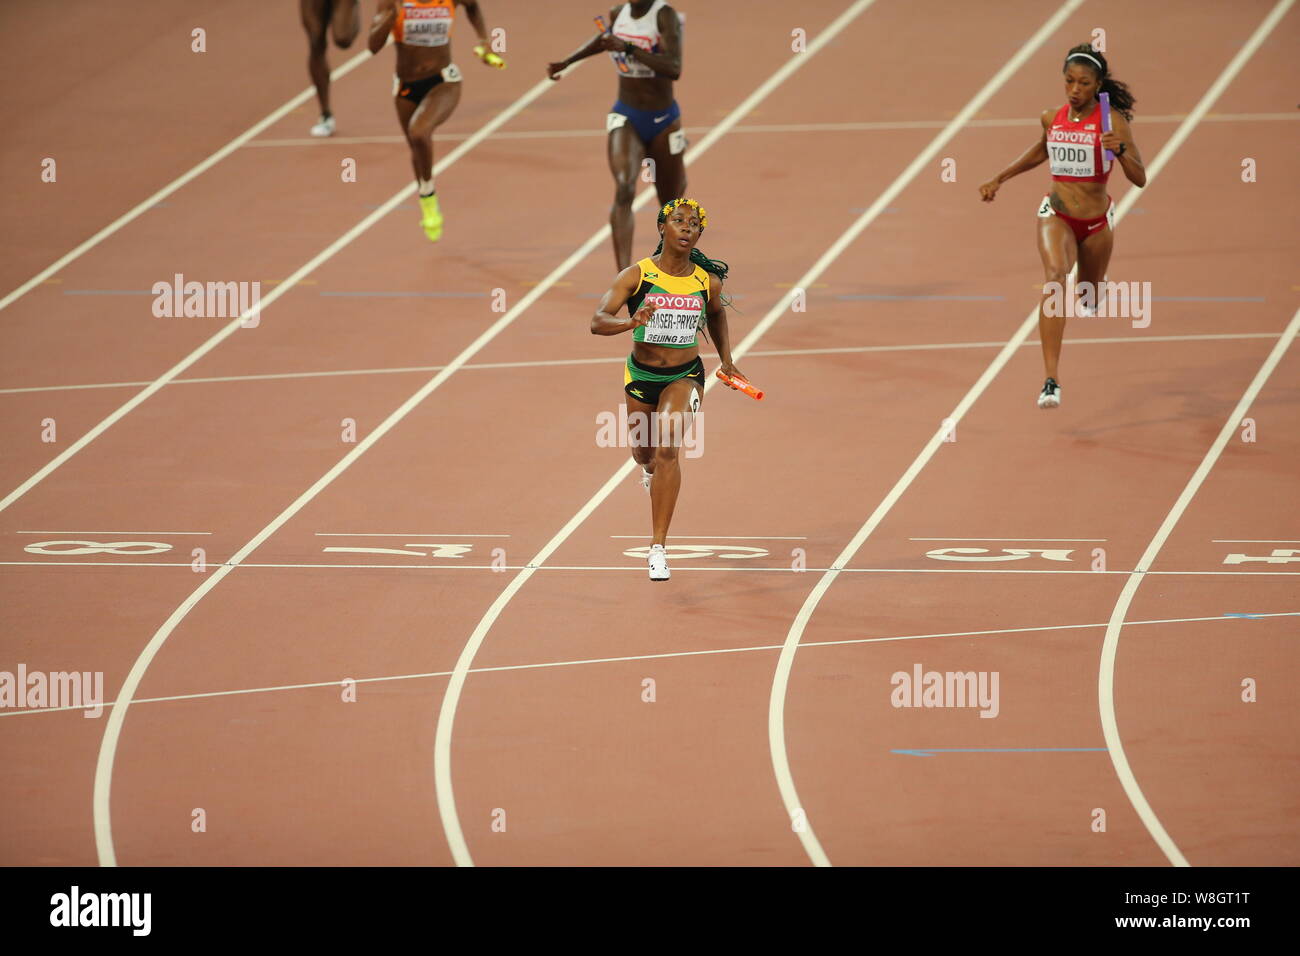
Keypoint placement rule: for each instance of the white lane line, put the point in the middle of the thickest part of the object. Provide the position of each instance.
(233, 326)
(553, 363)
(666, 655)
(1057, 540)
(722, 537)
(1147, 120)
(1110, 647)
(1255, 541)
(117, 715)
(781, 679)
(447, 712)
(640, 568)
(113, 532)
(442, 739)
(123, 220)
(776, 702)
(394, 534)
(1106, 669)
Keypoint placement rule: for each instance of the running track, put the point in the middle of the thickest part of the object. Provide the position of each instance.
(487, 695)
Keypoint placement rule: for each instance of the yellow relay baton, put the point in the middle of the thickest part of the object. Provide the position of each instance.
(488, 57)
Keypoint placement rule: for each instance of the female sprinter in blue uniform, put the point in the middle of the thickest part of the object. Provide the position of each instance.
(645, 42)
(426, 84)
(669, 297)
(1075, 220)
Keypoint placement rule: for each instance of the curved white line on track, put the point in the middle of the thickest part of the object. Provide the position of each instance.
(1110, 646)
(113, 727)
(781, 679)
(178, 182)
(315, 262)
(112, 732)
(447, 712)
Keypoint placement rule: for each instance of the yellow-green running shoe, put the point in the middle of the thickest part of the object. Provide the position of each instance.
(432, 218)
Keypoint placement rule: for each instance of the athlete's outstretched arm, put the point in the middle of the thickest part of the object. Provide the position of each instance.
(1131, 160)
(716, 314)
(669, 62)
(382, 25)
(475, 16)
(1035, 155)
(590, 48)
(606, 320)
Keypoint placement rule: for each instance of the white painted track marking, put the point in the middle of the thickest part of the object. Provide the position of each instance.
(315, 262)
(396, 534)
(785, 128)
(780, 681)
(1056, 540)
(115, 532)
(117, 715)
(686, 538)
(644, 657)
(447, 712)
(129, 217)
(442, 739)
(412, 566)
(1110, 647)
(554, 363)
(776, 702)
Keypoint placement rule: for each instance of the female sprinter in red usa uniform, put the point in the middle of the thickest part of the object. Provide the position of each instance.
(669, 297)
(645, 42)
(1075, 219)
(426, 85)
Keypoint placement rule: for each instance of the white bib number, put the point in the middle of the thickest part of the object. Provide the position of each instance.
(676, 319)
(425, 26)
(1072, 159)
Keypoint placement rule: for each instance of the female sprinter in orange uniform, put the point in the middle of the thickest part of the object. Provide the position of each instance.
(669, 297)
(645, 42)
(426, 86)
(1075, 220)
(343, 19)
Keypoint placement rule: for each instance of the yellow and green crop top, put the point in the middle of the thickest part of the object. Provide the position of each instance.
(681, 303)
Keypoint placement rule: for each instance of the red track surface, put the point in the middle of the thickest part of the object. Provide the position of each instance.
(584, 769)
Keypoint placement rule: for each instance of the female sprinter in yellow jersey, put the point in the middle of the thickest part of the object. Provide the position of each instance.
(1075, 219)
(645, 42)
(669, 298)
(426, 86)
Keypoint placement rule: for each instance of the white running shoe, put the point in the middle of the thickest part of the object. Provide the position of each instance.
(658, 561)
(1050, 396)
(324, 126)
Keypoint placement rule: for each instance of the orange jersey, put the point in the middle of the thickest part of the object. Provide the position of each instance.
(424, 22)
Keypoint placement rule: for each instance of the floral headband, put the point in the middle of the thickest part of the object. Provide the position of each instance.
(704, 217)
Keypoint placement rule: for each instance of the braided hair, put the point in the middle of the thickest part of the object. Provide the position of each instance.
(1121, 97)
(712, 266)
